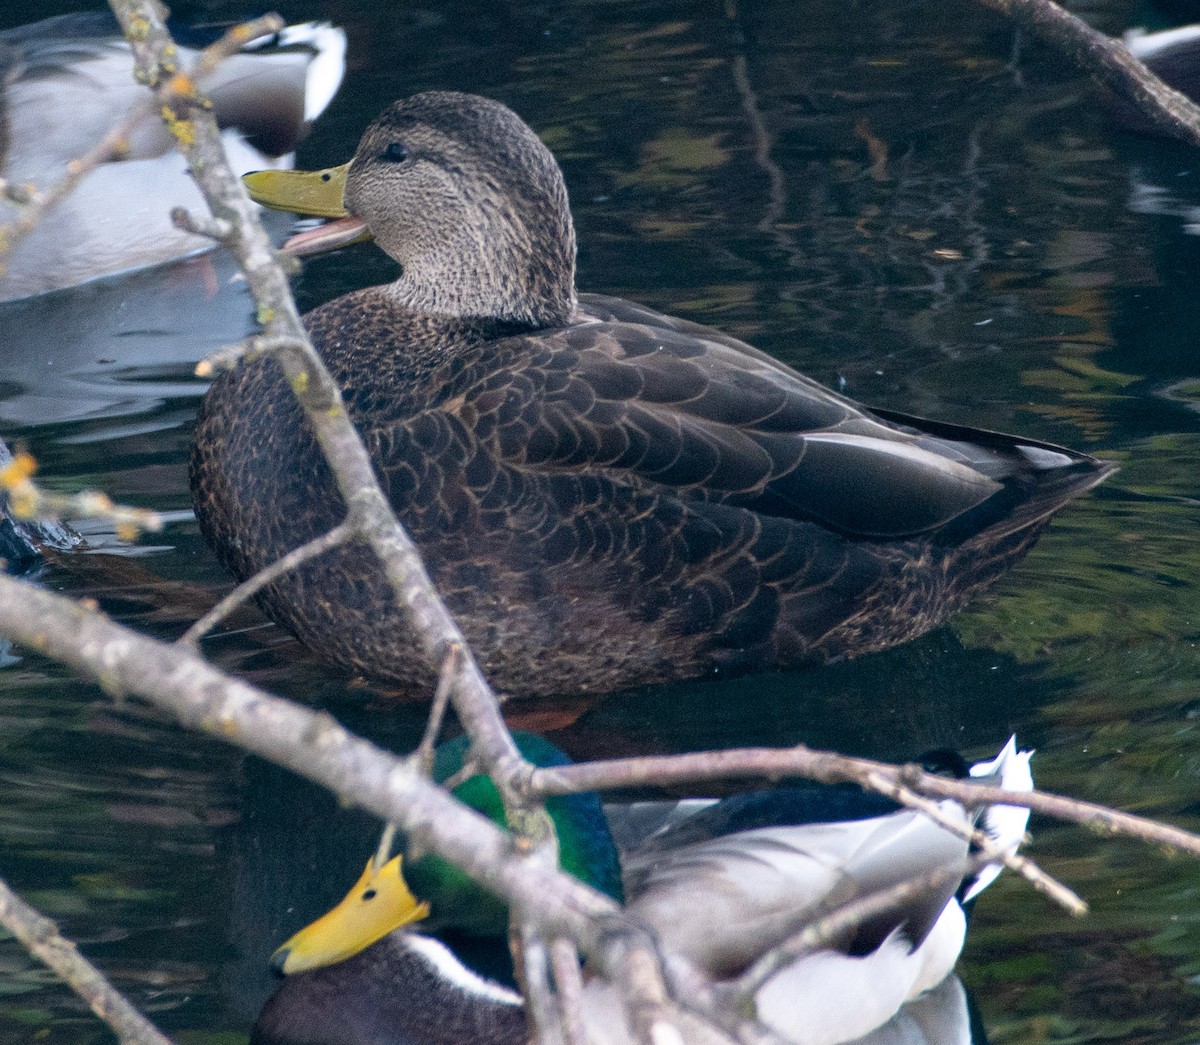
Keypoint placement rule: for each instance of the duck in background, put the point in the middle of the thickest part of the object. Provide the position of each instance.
(23, 540)
(604, 496)
(719, 882)
(118, 218)
(1163, 41)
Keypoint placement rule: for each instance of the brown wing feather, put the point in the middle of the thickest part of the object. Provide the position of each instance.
(710, 419)
(625, 500)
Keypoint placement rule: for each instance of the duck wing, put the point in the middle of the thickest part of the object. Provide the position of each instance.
(663, 404)
(760, 886)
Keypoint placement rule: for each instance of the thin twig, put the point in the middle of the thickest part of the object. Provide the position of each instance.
(437, 711)
(216, 229)
(42, 939)
(564, 963)
(829, 767)
(252, 347)
(38, 203)
(886, 784)
(232, 41)
(534, 972)
(245, 591)
(27, 501)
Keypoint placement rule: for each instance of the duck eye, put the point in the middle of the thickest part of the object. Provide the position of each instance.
(396, 152)
(369, 894)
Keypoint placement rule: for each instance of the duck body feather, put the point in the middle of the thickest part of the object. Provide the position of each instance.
(621, 500)
(405, 990)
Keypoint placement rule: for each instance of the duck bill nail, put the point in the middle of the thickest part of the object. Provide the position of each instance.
(379, 903)
(279, 961)
(318, 194)
(335, 234)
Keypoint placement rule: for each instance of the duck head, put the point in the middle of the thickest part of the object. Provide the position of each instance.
(398, 893)
(461, 193)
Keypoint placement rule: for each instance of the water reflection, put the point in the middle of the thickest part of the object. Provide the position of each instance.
(944, 223)
(117, 348)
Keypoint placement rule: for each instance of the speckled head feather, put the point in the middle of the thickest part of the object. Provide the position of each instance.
(471, 203)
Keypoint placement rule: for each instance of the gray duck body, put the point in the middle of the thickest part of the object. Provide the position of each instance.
(66, 81)
(605, 496)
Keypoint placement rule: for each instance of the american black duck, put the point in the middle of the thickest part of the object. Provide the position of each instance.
(605, 496)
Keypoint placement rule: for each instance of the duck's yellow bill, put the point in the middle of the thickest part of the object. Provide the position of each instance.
(319, 194)
(379, 903)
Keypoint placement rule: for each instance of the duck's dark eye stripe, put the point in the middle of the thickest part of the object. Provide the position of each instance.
(396, 152)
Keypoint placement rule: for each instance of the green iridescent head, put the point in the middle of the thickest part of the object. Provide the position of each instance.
(438, 895)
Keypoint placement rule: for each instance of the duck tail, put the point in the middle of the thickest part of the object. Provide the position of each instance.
(1004, 825)
(326, 47)
(277, 85)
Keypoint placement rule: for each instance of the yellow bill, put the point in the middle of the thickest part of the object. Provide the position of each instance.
(319, 194)
(379, 903)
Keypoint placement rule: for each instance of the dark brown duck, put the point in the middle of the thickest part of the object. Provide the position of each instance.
(604, 496)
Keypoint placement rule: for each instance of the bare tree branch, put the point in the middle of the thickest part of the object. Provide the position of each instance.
(177, 679)
(180, 681)
(248, 588)
(28, 501)
(564, 963)
(41, 937)
(536, 986)
(1109, 61)
(830, 768)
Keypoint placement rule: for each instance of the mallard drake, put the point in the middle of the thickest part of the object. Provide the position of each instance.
(604, 496)
(118, 217)
(753, 864)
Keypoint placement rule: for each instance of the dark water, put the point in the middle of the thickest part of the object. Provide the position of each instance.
(897, 197)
